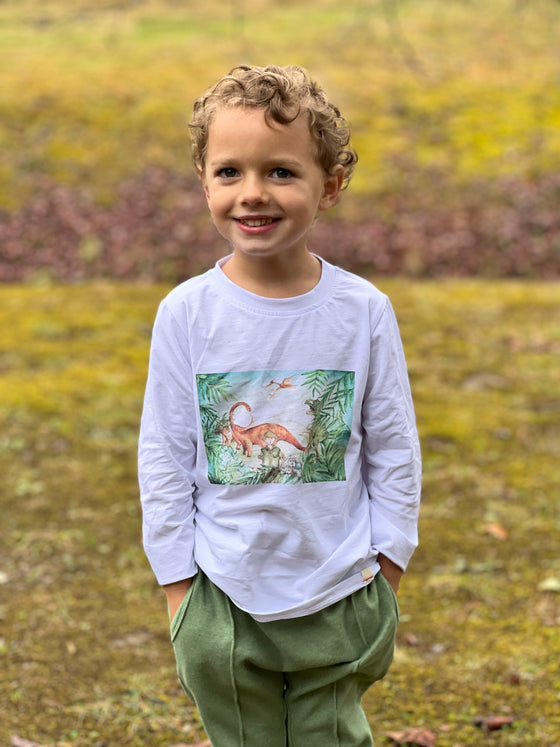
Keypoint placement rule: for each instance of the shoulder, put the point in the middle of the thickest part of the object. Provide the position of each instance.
(178, 310)
(187, 293)
(349, 282)
(354, 291)
(189, 287)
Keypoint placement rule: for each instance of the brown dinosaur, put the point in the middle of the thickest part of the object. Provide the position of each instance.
(254, 435)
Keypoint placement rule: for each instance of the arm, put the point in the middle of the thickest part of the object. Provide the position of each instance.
(392, 572)
(391, 451)
(175, 594)
(167, 454)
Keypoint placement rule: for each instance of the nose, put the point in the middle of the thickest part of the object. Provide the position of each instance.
(253, 190)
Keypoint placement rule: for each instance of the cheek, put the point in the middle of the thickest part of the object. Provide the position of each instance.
(215, 204)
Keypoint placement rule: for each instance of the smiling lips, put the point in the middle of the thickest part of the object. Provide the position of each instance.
(256, 222)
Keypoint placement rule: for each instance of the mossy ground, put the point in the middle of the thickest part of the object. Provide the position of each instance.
(463, 92)
(84, 648)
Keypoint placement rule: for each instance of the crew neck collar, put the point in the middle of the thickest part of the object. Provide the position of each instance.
(276, 306)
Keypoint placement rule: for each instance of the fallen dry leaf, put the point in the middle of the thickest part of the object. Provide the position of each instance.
(416, 736)
(493, 723)
(496, 530)
(16, 741)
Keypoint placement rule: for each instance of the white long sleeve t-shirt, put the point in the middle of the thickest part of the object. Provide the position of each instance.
(278, 448)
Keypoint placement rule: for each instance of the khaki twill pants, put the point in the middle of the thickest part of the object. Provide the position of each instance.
(296, 682)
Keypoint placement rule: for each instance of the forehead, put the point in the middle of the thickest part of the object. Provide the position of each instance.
(240, 131)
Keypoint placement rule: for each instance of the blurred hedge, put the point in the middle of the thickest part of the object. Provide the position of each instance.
(455, 108)
(158, 230)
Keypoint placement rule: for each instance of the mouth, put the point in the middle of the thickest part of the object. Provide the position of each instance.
(257, 222)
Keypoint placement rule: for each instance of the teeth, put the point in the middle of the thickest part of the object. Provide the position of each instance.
(255, 222)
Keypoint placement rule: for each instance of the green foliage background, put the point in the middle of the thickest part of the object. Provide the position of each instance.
(92, 92)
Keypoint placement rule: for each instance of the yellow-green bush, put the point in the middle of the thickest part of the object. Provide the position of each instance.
(94, 92)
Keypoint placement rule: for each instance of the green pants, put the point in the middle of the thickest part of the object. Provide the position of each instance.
(296, 682)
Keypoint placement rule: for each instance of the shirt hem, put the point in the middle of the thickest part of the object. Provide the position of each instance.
(344, 589)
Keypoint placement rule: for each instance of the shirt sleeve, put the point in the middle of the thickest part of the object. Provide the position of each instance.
(392, 462)
(167, 453)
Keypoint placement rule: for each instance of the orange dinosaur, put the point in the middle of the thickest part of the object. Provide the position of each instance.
(254, 435)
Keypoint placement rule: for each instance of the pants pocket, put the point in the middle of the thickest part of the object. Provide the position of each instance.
(391, 591)
(379, 616)
(180, 638)
(179, 616)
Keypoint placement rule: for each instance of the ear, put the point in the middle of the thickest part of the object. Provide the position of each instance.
(331, 188)
(202, 177)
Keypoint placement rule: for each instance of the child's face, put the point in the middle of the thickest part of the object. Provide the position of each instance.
(263, 185)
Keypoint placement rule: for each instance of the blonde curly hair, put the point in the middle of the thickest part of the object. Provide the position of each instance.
(283, 93)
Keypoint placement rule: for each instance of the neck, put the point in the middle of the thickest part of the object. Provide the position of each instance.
(274, 277)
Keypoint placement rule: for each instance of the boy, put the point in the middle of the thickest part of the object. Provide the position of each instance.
(279, 461)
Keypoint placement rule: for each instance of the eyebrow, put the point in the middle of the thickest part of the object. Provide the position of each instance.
(288, 162)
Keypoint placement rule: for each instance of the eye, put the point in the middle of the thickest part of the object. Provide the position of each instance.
(228, 172)
(281, 173)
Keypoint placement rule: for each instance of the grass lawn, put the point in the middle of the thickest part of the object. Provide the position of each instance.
(454, 94)
(84, 647)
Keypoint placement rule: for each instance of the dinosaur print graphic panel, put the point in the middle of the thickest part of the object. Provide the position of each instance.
(276, 426)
